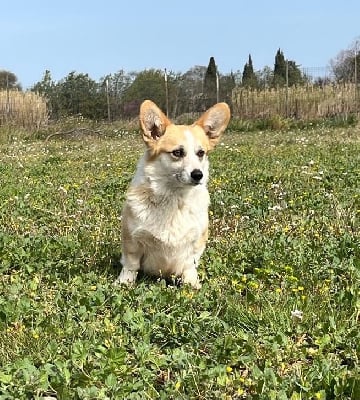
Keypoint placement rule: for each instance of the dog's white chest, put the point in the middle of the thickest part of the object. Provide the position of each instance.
(172, 224)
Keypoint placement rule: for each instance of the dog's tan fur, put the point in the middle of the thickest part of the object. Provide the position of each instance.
(165, 216)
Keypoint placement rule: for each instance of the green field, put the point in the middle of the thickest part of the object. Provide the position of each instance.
(279, 311)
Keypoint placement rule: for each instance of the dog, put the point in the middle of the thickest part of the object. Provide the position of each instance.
(165, 215)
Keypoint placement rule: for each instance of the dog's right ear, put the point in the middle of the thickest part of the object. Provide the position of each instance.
(214, 121)
(153, 122)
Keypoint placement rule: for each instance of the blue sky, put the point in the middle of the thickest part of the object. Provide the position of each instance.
(101, 37)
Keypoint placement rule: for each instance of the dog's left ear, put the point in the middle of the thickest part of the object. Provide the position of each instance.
(153, 122)
(214, 121)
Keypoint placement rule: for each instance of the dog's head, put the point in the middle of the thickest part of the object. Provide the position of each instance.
(178, 153)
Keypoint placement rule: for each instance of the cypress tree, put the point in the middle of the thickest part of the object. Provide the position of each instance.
(283, 67)
(295, 75)
(210, 83)
(249, 78)
(279, 69)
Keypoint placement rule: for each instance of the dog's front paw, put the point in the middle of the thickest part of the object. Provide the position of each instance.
(126, 277)
(197, 285)
(190, 277)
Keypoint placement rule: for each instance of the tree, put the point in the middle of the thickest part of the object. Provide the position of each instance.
(8, 80)
(249, 78)
(210, 84)
(148, 84)
(189, 89)
(76, 94)
(343, 65)
(265, 77)
(45, 86)
(286, 72)
(113, 86)
(295, 76)
(279, 69)
(227, 84)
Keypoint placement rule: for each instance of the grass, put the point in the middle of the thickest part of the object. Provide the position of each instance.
(277, 316)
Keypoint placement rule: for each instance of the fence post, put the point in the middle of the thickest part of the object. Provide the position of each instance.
(287, 89)
(166, 93)
(355, 79)
(108, 99)
(7, 99)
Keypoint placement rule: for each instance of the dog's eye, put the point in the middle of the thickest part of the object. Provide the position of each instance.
(178, 153)
(200, 153)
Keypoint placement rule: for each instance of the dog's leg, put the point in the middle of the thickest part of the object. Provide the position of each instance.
(190, 276)
(131, 266)
(131, 251)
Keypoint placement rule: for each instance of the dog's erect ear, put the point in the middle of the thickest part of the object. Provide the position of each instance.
(214, 121)
(153, 122)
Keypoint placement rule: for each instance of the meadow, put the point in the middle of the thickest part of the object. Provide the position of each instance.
(279, 310)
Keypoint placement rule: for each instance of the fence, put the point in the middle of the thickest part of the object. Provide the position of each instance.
(305, 102)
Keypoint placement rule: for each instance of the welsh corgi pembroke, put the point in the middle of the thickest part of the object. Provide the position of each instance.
(165, 215)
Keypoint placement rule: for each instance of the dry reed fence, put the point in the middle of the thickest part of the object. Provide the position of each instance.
(307, 102)
(22, 109)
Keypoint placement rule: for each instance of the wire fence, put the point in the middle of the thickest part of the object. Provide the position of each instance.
(319, 75)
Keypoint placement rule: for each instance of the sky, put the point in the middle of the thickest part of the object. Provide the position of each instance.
(103, 37)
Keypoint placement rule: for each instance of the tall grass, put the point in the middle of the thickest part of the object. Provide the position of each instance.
(305, 102)
(22, 109)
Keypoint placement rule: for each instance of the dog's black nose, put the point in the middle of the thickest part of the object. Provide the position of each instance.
(196, 175)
